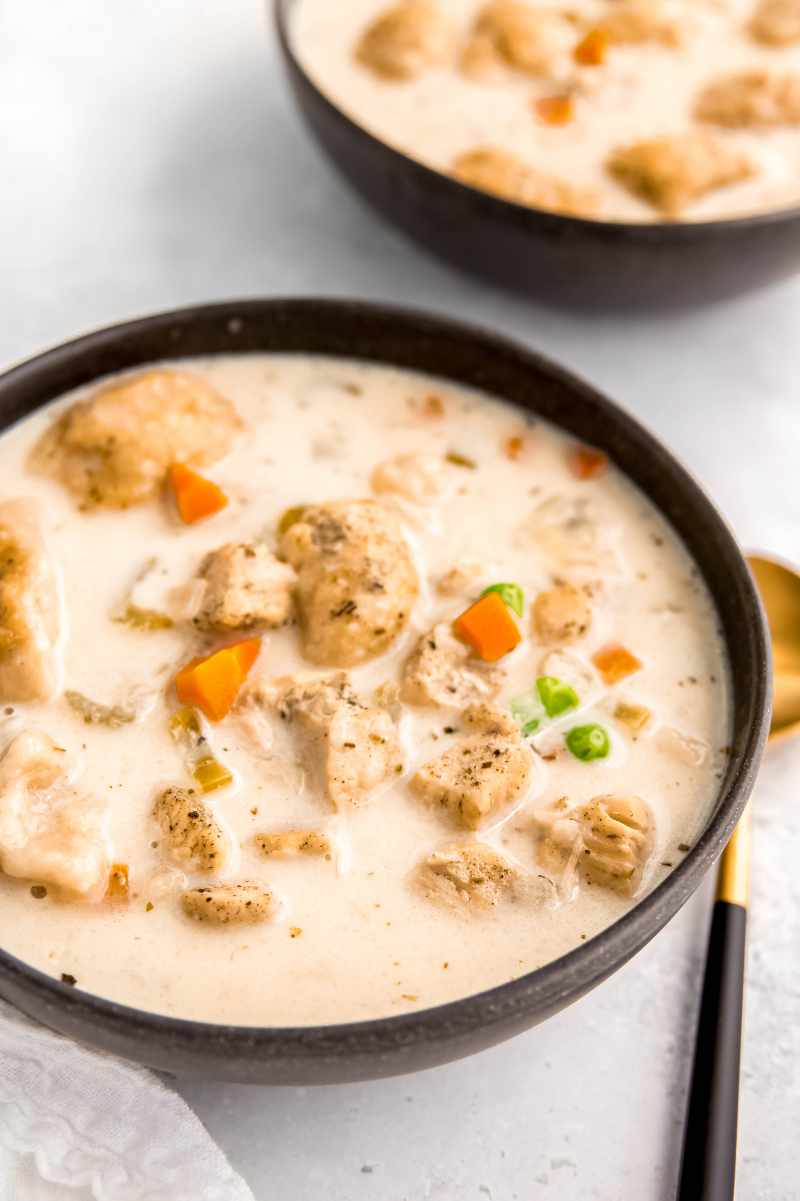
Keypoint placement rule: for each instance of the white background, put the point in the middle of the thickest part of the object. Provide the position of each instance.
(150, 157)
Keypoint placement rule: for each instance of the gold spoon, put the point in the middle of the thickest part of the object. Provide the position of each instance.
(779, 586)
(708, 1167)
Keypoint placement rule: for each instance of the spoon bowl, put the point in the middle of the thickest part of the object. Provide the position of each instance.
(779, 586)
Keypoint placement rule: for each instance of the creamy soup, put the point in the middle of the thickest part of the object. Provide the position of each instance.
(622, 110)
(386, 695)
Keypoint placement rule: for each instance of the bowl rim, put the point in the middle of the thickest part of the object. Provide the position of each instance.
(520, 214)
(557, 982)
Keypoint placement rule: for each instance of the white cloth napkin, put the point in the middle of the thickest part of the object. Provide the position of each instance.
(78, 1125)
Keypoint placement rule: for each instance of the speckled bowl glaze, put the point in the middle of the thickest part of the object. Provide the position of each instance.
(463, 355)
(567, 260)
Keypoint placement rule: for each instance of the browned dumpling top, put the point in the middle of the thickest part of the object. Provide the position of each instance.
(406, 39)
(632, 22)
(671, 171)
(113, 449)
(751, 100)
(31, 618)
(502, 173)
(511, 34)
(777, 22)
(356, 580)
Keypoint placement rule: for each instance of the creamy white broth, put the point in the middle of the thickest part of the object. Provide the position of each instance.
(641, 91)
(354, 937)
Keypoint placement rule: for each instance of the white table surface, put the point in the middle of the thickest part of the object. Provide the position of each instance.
(151, 158)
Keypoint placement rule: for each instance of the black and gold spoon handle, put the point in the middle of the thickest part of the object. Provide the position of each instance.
(708, 1166)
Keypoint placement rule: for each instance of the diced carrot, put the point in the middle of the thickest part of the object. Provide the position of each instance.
(433, 405)
(513, 447)
(488, 627)
(212, 683)
(246, 653)
(118, 882)
(585, 462)
(615, 662)
(555, 110)
(591, 50)
(195, 496)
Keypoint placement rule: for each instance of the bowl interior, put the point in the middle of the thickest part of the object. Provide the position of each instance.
(478, 359)
(580, 262)
(661, 229)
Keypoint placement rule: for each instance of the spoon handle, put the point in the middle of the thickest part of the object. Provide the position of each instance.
(708, 1166)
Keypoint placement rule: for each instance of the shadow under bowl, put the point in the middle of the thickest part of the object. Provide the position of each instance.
(476, 358)
(567, 260)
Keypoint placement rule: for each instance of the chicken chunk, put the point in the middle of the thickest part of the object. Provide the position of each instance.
(245, 586)
(481, 773)
(562, 614)
(229, 904)
(777, 22)
(289, 843)
(474, 876)
(633, 22)
(617, 836)
(195, 838)
(49, 831)
(608, 840)
(503, 174)
(420, 478)
(355, 746)
(114, 449)
(672, 171)
(406, 40)
(31, 613)
(442, 671)
(510, 34)
(750, 100)
(357, 582)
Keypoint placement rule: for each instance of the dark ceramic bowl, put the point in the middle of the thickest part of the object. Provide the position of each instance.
(386, 1046)
(565, 259)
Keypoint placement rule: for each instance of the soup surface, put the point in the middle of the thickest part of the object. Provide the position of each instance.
(621, 110)
(391, 811)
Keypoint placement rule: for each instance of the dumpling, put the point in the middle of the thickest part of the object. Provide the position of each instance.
(356, 580)
(49, 831)
(31, 611)
(113, 449)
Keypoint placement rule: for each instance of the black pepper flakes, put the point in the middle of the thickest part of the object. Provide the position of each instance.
(66, 978)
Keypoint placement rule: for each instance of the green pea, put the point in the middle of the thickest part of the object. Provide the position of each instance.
(556, 696)
(588, 742)
(512, 594)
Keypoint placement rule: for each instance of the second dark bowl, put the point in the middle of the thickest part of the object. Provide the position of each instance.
(461, 355)
(565, 259)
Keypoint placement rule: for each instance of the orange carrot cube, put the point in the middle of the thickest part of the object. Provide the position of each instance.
(591, 50)
(615, 662)
(586, 463)
(514, 446)
(212, 683)
(555, 110)
(118, 882)
(488, 627)
(195, 496)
